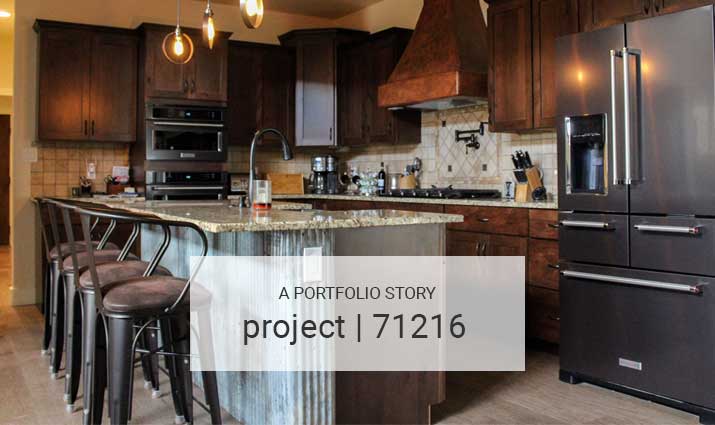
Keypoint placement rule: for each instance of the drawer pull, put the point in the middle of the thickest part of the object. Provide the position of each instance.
(693, 289)
(553, 225)
(585, 224)
(484, 220)
(684, 230)
(554, 318)
(553, 266)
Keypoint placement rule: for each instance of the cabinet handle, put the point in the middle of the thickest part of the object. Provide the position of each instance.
(657, 6)
(193, 86)
(85, 127)
(186, 85)
(483, 220)
(646, 9)
(553, 225)
(92, 127)
(330, 136)
(553, 266)
(479, 248)
(554, 318)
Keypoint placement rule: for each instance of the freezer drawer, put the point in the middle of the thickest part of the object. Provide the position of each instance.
(594, 238)
(674, 244)
(650, 331)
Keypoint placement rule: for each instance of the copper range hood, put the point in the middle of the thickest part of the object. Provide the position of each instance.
(445, 63)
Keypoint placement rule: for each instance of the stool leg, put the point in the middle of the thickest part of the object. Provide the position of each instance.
(46, 308)
(121, 367)
(180, 342)
(171, 364)
(58, 315)
(73, 342)
(89, 341)
(150, 367)
(99, 371)
(208, 374)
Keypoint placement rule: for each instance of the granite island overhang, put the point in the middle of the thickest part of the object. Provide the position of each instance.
(288, 230)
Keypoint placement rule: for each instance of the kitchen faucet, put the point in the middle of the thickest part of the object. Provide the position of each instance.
(287, 156)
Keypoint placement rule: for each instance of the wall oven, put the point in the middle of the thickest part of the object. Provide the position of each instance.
(177, 186)
(194, 133)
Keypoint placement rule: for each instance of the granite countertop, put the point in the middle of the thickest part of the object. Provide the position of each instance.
(221, 216)
(547, 205)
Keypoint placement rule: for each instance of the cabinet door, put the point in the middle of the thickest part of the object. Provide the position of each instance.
(277, 105)
(243, 97)
(603, 13)
(64, 79)
(670, 6)
(208, 76)
(113, 98)
(544, 263)
(500, 245)
(354, 67)
(551, 19)
(510, 67)
(315, 92)
(163, 78)
(380, 125)
(467, 243)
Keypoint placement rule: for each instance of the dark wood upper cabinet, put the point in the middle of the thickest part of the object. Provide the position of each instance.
(510, 65)
(522, 35)
(204, 78)
(87, 83)
(316, 83)
(551, 19)
(113, 94)
(603, 13)
(363, 66)
(260, 91)
(670, 6)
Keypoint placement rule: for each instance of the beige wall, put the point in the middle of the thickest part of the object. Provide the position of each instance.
(6, 53)
(27, 156)
(5, 105)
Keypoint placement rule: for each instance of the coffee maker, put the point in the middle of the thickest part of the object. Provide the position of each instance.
(324, 179)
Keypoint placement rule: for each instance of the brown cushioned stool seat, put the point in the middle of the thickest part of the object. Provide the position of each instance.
(117, 271)
(101, 256)
(81, 246)
(150, 294)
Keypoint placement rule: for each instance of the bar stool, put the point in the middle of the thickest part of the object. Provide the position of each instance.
(53, 296)
(120, 264)
(145, 300)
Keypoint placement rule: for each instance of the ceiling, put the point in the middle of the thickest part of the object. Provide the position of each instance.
(331, 9)
(6, 24)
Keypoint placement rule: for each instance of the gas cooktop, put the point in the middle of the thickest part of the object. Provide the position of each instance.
(443, 193)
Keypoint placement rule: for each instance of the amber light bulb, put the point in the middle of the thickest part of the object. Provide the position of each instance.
(252, 12)
(178, 45)
(209, 25)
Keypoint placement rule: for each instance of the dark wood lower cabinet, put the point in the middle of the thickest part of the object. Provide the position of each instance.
(542, 314)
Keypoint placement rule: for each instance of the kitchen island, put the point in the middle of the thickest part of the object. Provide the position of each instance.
(307, 397)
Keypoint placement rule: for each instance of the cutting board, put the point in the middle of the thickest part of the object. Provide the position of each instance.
(286, 184)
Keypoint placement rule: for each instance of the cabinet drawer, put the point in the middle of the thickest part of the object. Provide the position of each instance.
(331, 205)
(506, 221)
(404, 206)
(543, 319)
(594, 238)
(544, 224)
(676, 244)
(543, 263)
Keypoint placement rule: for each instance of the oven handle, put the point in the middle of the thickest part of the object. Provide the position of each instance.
(585, 224)
(188, 124)
(693, 289)
(695, 230)
(159, 188)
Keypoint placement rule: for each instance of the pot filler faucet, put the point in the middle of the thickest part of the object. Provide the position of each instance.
(287, 156)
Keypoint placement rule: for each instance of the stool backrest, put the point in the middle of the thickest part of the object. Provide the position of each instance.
(87, 213)
(41, 205)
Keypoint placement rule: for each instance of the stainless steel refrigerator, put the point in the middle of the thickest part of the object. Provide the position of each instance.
(636, 136)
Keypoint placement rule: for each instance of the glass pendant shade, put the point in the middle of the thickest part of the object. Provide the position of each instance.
(178, 47)
(209, 26)
(252, 13)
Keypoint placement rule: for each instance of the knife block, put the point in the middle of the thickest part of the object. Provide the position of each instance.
(523, 192)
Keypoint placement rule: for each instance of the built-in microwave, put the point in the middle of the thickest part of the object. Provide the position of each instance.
(194, 133)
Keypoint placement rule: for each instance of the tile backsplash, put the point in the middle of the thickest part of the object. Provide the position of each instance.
(60, 165)
(444, 161)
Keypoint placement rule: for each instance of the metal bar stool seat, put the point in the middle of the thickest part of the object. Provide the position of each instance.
(64, 248)
(145, 296)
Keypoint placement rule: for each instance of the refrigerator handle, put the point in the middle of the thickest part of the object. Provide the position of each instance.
(614, 133)
(679, 287)
(625, 52)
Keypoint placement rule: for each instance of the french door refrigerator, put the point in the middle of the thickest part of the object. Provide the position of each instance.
(636, 144)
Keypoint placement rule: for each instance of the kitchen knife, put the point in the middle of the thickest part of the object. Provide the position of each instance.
(527, 160)
(513, 160)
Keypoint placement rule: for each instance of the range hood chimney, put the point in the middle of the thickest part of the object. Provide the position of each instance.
(445, 63)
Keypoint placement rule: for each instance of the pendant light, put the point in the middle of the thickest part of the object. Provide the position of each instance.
(209, 25)
(252, 13)
(177, 46)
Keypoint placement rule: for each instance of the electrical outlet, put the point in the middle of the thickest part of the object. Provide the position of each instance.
(449, 168)
(312, 265)
(484, 167)
(91, 171)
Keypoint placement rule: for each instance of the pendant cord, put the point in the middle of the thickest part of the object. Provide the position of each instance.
(178, 13)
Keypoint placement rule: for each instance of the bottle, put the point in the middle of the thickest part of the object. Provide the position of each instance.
(381, 179)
